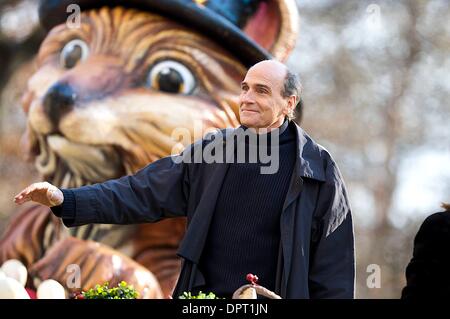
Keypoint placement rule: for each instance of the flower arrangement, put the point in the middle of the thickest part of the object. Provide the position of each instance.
(201, 295)
(122, 291)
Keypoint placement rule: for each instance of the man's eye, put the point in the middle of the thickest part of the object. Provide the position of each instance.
(171, 77)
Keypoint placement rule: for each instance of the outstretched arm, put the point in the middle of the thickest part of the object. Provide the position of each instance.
(157, 191)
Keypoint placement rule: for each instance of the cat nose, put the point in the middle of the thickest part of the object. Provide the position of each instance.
(59, 99)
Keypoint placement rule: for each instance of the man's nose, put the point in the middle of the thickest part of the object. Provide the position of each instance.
(58, 100)
(247, 97)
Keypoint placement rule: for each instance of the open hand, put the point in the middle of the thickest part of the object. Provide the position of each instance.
(43, 193)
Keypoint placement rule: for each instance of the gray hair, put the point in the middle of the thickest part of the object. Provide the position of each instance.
(292, 86)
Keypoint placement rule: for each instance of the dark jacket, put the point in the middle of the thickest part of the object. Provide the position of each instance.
(316, 257)
(427, 272)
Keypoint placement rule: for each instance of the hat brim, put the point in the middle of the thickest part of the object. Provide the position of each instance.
(211, 24)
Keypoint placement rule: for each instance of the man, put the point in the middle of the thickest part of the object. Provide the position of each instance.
(293, 227)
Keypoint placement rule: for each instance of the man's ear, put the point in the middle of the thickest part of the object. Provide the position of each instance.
(292, 102)
(290, 107)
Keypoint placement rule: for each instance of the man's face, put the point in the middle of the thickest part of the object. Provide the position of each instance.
(261, 104)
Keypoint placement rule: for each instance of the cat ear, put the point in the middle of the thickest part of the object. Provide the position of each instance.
(274, 26)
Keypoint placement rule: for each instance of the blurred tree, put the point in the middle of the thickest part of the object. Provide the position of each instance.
(376, 94)
(19, 38)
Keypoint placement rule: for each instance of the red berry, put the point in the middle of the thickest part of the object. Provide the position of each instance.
(252, 278)
(78, 295)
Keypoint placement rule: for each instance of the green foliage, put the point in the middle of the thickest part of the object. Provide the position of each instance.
(201, 295)
(122, 291)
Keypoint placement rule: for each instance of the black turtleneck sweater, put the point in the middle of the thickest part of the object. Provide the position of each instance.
(244, 234)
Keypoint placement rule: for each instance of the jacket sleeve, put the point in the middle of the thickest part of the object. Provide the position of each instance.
(159, 190)
(332, 260)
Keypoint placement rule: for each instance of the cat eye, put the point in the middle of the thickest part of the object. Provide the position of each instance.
(172, 77)
(73, 52)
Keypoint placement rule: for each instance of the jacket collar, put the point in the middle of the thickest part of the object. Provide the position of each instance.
(310, 156)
